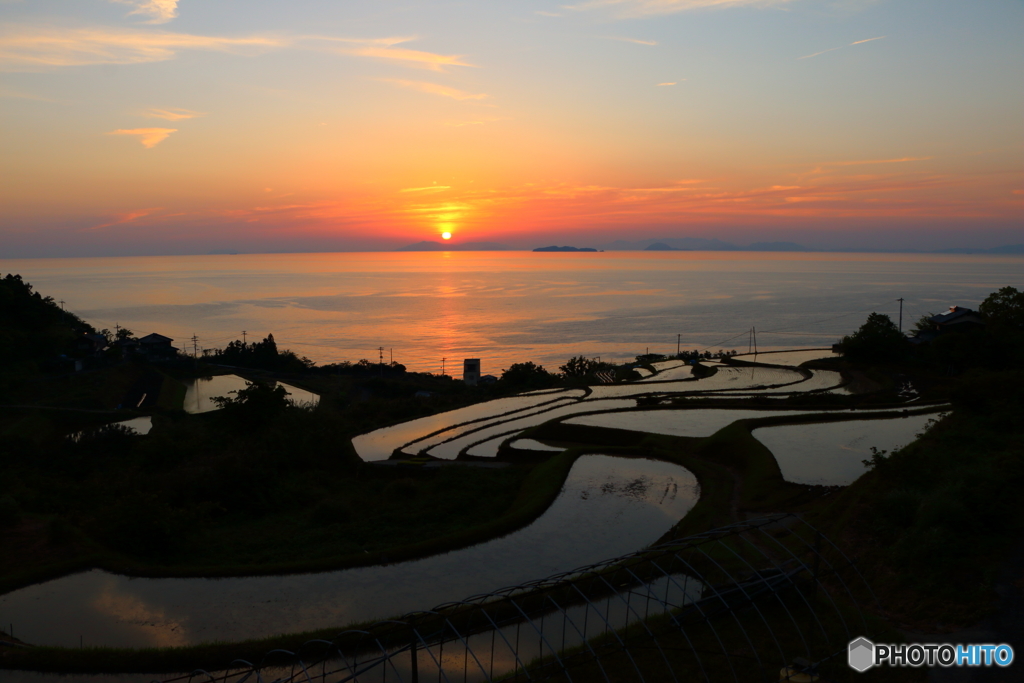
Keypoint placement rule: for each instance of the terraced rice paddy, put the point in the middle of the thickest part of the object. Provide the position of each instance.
(380, 444)
(450, 450)
(694, 422)
(624, 504)
(199, 393)
(831, 453)
(792, 358)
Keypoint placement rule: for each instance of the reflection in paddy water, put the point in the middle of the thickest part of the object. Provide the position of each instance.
(608, 506)
(831, 453)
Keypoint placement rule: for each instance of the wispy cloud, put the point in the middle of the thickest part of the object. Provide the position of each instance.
(35, 47)
(435, 89)
(670, 83)
(127, 217)
(636, 41)
(866, 162)
(38, 47)
(158, 11)
(384, 48)
(833, 49)
(149, 137)
(428, 188)
(640, 8)
(172, 114)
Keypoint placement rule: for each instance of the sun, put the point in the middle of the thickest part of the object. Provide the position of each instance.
(446, 235)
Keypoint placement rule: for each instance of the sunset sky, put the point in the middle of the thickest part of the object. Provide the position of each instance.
(191, 126)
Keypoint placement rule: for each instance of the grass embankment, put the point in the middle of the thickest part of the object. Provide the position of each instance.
(537, 489)
(932, 523)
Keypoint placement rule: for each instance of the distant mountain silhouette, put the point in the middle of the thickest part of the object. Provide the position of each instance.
(554, 248)
(698, 244)
(1005, 249)
(776, 246)
(428, 245)
(661, 246)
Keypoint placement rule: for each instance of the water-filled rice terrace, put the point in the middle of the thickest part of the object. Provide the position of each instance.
(481, 430)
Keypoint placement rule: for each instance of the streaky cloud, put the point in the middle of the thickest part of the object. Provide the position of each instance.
(159, 11)
(149, 137)
(127, 218)
(635, 41)
(833, 49)
(33, 48)
(435, 89)
(172, 114)
(641, 8)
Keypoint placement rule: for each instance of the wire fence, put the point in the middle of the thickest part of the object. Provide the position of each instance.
(769, 599)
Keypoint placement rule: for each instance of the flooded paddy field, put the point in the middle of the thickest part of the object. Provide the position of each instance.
(832, 453)
(624, 505)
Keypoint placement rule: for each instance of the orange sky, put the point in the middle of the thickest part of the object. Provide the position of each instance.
(153, 126)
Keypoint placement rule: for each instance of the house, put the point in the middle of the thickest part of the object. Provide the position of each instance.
(91, 344)
(956, 319)
(156, 347)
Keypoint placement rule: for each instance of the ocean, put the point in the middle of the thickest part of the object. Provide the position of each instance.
(428, 310)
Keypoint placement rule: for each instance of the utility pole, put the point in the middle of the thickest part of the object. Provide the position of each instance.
(753, 330)
(195, 345)
(679, 340)
(392, 355)
(901, 313)
(117, 330)
(380, 349)
(243, 337)
(442, 366)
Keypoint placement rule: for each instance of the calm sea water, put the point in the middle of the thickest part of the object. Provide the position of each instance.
(507, 307)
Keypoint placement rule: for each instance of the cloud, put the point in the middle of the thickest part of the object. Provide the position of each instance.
(172, 114)
(149, 137)
(671, 83)
(636, 41)
(833, 49)
(384, 48)
(127, 217)
(159, 11)
(30, 48)
(901, 160)
(642, 8)
(429, 188)
(33, 48)
(435, 89)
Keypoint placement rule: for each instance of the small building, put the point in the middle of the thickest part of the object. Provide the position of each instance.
(156, 347)
(471, 371)
(957, 318)
(486, 380)
(91, 344)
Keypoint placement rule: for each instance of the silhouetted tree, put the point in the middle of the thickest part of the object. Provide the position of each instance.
(878, 339)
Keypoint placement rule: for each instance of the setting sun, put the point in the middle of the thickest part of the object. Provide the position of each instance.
(446, 235)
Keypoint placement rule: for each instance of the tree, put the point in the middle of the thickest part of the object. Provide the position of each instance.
(255, 405)
(878, 339)
(578, 366)
(527, 375)
(1004, 309)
